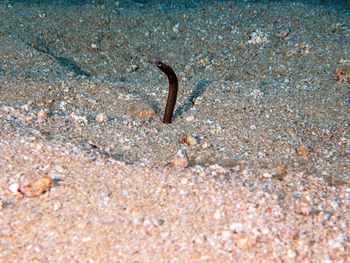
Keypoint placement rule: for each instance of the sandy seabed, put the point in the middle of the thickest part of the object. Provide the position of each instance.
(264, 99)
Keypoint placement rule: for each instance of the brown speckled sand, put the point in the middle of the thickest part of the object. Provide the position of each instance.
(260, 135)
(101, 210)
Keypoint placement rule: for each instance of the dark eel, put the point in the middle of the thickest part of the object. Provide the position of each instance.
(173, 88)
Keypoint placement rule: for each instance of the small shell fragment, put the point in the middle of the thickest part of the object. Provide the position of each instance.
(101, 117)
(35, 187)
(304, 208)
(190, 118)
(42, 116)
(180, 162)
(78, 120)
(189, 140)
(146, 113)
(303, 151)
(342, 75)
(57, 206)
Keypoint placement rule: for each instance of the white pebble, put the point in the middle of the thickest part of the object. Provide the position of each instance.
(267, 175)
(101, 117)
(176, 28)
(86, 239)
(236, 227)
(226, 235)
(217, 214)
(57, 205)
(13, 188)
(205, 145)
(63, 105)
(291, 253)
(184, 180)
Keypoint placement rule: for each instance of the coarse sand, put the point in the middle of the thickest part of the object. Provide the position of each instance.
(255, 166)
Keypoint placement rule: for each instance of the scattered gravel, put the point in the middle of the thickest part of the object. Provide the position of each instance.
(104, 210)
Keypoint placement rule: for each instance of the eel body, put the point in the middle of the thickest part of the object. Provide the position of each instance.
(173, 88)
